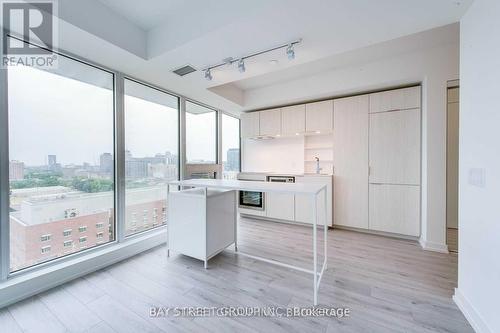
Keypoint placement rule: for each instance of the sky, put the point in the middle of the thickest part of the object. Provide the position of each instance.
(53, 114)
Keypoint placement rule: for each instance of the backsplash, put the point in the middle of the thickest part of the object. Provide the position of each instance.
(282, 155)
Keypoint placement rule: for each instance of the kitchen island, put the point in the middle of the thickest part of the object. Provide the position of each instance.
(308, 189)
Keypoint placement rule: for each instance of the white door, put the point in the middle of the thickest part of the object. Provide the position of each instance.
(319, 116)
(350, 161)
(280, 206)
(270, 122)
(249, 124)
(293, 120)
(395, 209)
(395, 147)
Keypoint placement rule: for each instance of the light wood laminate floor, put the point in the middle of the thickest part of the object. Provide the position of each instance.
(390, 285)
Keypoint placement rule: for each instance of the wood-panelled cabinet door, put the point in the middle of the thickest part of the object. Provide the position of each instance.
(319, 116)
(398, 99)
(395, 147)
(249, 124)
(350, 160)
(270, 122)
(293, 119)
(395, 209)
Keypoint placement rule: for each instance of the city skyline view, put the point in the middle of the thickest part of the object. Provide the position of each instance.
(89, 121)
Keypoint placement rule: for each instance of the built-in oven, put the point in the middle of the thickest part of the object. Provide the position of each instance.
(251, 199)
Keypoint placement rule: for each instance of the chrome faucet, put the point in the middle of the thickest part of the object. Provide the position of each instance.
(318, 169)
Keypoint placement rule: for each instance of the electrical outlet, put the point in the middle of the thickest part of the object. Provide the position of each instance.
(477, 177)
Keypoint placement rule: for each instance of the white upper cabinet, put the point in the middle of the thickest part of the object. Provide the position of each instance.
(399, 99)
(395, 147)
(250, 124)
(319, 116)
(270, 122)
(293, 119)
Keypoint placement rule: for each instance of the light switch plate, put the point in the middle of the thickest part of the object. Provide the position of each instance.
(477, 177)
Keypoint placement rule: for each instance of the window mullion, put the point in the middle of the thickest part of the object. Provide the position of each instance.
(4, 178)
(119, 173)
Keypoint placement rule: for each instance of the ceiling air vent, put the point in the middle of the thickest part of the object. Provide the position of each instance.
(184, 70)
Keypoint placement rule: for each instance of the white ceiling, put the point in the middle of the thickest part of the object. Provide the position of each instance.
(170, 33)
(145, 14)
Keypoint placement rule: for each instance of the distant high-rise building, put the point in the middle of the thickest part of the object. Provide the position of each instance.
(52, 163)
(52, 160)
(233, 159)
(16, 170)
(106, 163)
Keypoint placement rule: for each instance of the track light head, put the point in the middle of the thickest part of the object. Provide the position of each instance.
(241, 66)
(208, 74)
(290, 53)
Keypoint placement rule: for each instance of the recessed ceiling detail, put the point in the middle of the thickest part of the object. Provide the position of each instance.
(148, 40)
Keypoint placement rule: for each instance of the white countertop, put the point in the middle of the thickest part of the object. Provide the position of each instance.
(256, 186)
(288, 174)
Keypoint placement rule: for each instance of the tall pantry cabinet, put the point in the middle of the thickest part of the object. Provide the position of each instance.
(350, 160)
(377, 161)
(395, 159)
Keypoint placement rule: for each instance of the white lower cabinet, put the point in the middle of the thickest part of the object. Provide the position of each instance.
(303, 208)
(304, 203)
(280, 206)
(395, 209)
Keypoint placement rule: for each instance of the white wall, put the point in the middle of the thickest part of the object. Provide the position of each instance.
(280, 155)
(433, 66)
(478, 291)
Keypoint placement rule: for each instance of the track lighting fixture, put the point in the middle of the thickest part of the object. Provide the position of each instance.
(241, 65)
(290, 53)
(208, 74)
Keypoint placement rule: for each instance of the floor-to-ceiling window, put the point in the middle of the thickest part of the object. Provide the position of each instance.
(230, 134)
(151, 154)
(61, 161)
(201, 134)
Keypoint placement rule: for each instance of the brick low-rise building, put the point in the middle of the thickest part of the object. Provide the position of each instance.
(48, 226)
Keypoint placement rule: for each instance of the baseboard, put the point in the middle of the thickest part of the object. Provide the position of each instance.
(375, 232)
(435, 247)
(265, 218)
(474, 318)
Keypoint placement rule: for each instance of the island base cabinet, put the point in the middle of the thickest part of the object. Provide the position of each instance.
(395, 209)
(199, 225)
(280, 206)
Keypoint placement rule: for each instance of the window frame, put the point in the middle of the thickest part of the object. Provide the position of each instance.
(118, 222)
(136, 231)
(217, 131)
(222, 113)
(5, 272)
